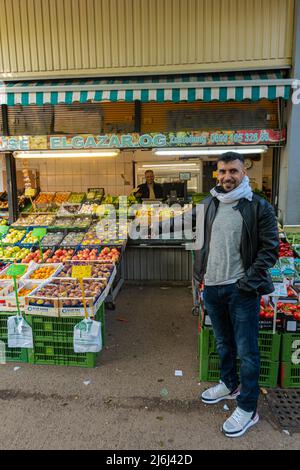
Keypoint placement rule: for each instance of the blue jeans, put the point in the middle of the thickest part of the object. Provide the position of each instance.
(234, 316)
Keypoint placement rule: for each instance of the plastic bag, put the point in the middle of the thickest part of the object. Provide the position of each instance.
(87, 336)
(19, 333)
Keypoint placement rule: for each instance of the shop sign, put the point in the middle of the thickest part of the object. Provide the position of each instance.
(151, 140)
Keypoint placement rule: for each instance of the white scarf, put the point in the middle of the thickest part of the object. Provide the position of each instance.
(242, 191)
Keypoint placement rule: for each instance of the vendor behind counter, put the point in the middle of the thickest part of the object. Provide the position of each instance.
(150, 189)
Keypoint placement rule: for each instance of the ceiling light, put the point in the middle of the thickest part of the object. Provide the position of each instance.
(69, 154)
(209, 150)
(168, 165)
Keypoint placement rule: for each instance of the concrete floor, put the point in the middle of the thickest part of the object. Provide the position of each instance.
(50, 407)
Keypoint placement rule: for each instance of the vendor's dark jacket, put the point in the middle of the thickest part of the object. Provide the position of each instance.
(259, 243)
(144, 190)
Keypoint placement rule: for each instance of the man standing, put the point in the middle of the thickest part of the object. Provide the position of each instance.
(150, 189)
(240, 244)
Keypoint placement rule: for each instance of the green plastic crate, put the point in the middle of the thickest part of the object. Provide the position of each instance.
(11, 354)
(268, 343)
(53, 341)
(209, 370)
(60, 329)
(289, 375)
(287, 348)
(47, 352)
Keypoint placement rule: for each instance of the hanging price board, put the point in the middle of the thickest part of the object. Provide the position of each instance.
(81, 272)
(30, 192)
(39, 232)
(16, 270)
(280, 290)
(4, 229)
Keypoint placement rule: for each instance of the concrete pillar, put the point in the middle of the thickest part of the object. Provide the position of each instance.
(289, 195)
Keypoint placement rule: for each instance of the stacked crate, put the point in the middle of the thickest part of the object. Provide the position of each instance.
(290, 361)
(9, 354)
(53, 341)
(269, 347)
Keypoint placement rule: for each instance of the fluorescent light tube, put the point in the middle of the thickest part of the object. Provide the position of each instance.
(60, 154)
(209, 150)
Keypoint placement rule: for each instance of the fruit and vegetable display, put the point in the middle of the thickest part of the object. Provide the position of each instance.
(13, 236)
(3, 222)
(99, 270)
(93, 254)
(29, 239)
(40, 220)
(285, 249)
(102, 234)
(13, 253)
(43, 272)
(89, 209)
(73, 239)
(60, 256)
(52, 239)
(27, 289)
(68, 292)
(35, 256)
(76, 198)
(59, 198)
(69, 222)
(45, 198)
(3, 274)
(292, 309)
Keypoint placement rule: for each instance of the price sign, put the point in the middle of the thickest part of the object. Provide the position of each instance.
(30, 192)
(280, 290)
(39, 232)
(3, 231)
(81, 272)
(16, 270)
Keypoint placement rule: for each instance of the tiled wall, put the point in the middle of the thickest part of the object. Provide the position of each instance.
(80, 174)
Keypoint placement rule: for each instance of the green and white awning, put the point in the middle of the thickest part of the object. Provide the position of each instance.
(176, 88)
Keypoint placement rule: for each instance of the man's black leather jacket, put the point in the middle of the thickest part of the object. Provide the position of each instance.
(259, 243)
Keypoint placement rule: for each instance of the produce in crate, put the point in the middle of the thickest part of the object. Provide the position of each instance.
(61, 197)
(109, 254)
(35, 221)
(72, 239)
(27, 289)
(52, 238)
(13, 253)
(13, 236)
(106, 254)
(29, 239)
(45, 198)
(76, 198)
(89, 209)
(292, 309)
(86, 254)
(285, 250)
(61, 255)
(67, 222)
(35, 256)
(3, 274)
(99, 270)
(43, 272)
(69, 291)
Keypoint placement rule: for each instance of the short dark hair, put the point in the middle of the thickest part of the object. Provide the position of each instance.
(230, 157)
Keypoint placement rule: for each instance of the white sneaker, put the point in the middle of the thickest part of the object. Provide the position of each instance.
(217, 393)
(238, 423)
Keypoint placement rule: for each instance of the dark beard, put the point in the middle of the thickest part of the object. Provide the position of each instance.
(220, 189)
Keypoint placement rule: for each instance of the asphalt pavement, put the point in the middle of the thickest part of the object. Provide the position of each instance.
(133, 399)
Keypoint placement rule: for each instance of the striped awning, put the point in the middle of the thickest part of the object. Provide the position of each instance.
(176, 88)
